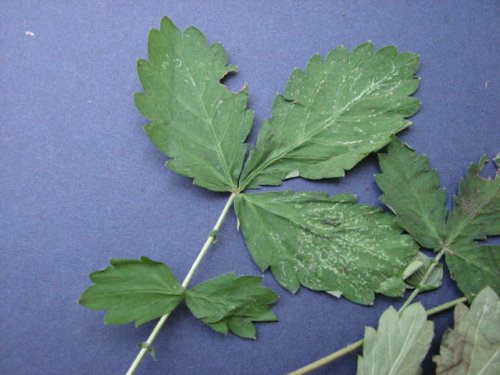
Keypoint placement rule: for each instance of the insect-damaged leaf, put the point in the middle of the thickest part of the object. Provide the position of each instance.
(194, 119)
(473, 346)
(333, 114)
(476, 214)
(412, 191)
(326, 243)
(140, 290)
(227, 303)
(399, 344)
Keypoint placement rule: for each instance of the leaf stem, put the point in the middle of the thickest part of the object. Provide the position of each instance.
(446, 306)
(358, 344)
(329, 358)
(146, 347)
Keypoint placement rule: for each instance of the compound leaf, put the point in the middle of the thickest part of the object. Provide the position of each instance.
(140, 290)
(413, 192)
(194, 119)
(399, 345)
(476, 214)
(473, 346)
(333, 114)
(326, 243)
(227, 303)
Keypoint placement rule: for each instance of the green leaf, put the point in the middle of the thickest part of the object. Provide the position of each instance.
(333, 114)
(413, 192)
(325, 243)
(140, 290)
(194, 119)
(399, 345)
(473, 346)
(227, 303)
(476, 214)
(418, 268)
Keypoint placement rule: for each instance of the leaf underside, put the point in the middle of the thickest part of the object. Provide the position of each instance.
(194, 119)
(325, 243)
(476, 215)
(140, 290)
(473, 345)
(399, 344)
(333, 114)
(413, 192)
(227, 303)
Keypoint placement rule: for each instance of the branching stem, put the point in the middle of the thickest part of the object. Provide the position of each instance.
(146, 347)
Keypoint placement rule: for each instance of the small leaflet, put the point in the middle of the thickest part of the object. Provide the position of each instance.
(140, 290)
(399, 344)
(422, 264)
(473, 345)
(227, 303)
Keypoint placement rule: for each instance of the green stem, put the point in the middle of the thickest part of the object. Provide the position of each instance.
(329, 358)
(210, 240)
(358, 344)
(426, 276)
(446, 306)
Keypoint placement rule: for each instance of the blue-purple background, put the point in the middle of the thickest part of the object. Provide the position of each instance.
(80, 183)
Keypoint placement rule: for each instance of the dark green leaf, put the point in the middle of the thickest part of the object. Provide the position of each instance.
(476, 214)
(326, 243)
(412, 191)
(473, 346)
(194, 119)
(227, 303)
(140, 290)
(333, 114)
(399, 345)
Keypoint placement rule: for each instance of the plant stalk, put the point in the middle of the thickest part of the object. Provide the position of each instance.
(446, 306)
(329, 358)
(146, 347)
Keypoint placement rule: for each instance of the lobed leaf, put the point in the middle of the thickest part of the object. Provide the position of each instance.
(476, 215)
(227, 303)
(473, 346)
(413, 192)
(333, 114)
(140, 290)
(399, 345)
(194, 119)
(325, 243)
